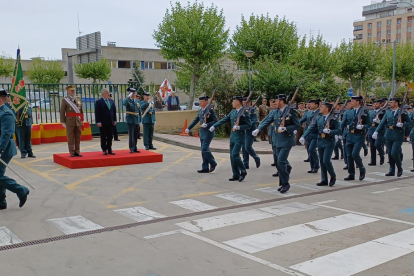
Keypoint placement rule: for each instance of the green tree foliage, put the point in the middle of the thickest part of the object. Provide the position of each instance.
(327, 89)
(6, 66)
(95, 71)
(193, 37)
(358, 62)
(138, 76)
(183, 81)
(45, 73)
(404, 66)
(272, 37)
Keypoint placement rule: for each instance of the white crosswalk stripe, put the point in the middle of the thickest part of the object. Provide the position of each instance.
(238, 198)
(361, 257)
(193, 205)
(216, 222)
(139, 214)
(263, 241)
(274, 191)
(7, 237)
(72, 225)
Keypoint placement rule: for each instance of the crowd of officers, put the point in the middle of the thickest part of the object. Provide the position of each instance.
(325, 128)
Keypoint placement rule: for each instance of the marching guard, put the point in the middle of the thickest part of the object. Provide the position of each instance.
(247, 148)
(376, 145)
(133, 118)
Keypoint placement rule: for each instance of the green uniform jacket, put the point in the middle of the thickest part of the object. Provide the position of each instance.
(350, 121)
(133, 107)
(373, 126)
(390, 121)
(28, 119)
(236, 136)
(149, 118)
(253, 118)
(211, 120)
(308, 117)
(286, 138)
(7, 129)
(324, 139)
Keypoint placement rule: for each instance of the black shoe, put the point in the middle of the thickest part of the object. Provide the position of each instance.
(242, 176)
(400, 173)
(23, 200)
(307, 160)
(258, 163)
(131, 151)
(233, 179)
(335, 158)
(137, 151)
(342, 157)
(111, 152)
(72, 155)
(322, 184)
(381, 160)
(213, 167)
(146, 148)
(117, 140)
(255, 140)
(275, 174)
(361, 176)
(372, 164)
(203, 171)
(289, 169)
(280, 188)
(332, 181)
(105, 153)
(365, 152)
(139, 137)
(31, 156)
(389, 174)
(3, 207)
(78, 154)
(346, 167)
(23, 156)
(313, 171)
(349, 177)
(412, 170)
(356, 167)
(284, 188)
(273, 165)
(152, 148)
(246, 167)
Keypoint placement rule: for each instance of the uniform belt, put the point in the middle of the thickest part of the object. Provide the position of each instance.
(391, 127)
(75, 115)
(132, 113)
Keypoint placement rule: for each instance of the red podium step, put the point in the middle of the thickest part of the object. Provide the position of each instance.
(97, 159)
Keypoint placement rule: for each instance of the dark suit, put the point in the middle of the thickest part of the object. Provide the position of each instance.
(107, 117)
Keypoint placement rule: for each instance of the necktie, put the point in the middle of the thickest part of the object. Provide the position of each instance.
(107, 103)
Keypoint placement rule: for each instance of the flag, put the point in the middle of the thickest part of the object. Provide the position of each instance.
(18, 91)
(165, 88)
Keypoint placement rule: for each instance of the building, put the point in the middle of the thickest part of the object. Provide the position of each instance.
(385, 22)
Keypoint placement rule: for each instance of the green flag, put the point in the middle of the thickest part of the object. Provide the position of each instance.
(18, 91)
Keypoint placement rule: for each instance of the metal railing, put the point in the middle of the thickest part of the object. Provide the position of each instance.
(45, 100)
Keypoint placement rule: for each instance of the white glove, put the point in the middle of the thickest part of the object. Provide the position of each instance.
(336, 138)
(376, 120)
(64, 125)
(155, 122)
(360, 126)
(340, 137)
(187, 131)
(130, 94)
(295, 132)
(400, 124)
(204, 125)
(326, 130)
(236, 127)
(212, 129)
(375, 135)
(281, 129)
(152, 103)
(302, 140)
(255, 132)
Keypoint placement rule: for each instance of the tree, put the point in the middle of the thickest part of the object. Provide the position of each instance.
(275, 38)
(45, 72)
(6, 66)
(358, 63)
(193, 37)
(327, 89)
(138, 76)
(183, 81)
(97, 71)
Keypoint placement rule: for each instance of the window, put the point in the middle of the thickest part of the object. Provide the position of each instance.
(114, 64)
(358, 36)
(369, 25)
(378, 34)
(369, 35)
(388, 32)
(409, 19)
(398, 39)
(409, 29)
(124, 64)
(171, 66)
(388, 41)
(358, 28)
(398, 30)
(379, 24)
(409, 10)
(147, 65)
(160, 65)
(389, 22)
(399, 21)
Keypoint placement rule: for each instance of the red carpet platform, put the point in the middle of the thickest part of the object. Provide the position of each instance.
(96, 159)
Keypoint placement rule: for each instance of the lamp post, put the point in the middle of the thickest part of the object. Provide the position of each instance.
(249, 54)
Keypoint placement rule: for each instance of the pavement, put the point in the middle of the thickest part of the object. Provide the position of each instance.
(165, 219)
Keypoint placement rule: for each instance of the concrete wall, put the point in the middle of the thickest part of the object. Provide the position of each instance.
(173, 121)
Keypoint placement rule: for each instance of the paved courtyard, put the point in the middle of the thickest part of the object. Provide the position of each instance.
(165, 219)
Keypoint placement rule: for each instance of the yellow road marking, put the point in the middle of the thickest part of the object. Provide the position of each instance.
(54, 170)
(49, 147)
(42, 174)
(125, 205)
(199, 194)
(38, 159)
(73, 185)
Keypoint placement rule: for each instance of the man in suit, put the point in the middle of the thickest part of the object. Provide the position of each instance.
(105, 118)
(24, 131)
(239, 119)
(395, 134)
(148, 121)
(207, 118)
(133, 118)
(284, 137)
(71, 117)
(7, 151)
(247, 148)
(375, 145)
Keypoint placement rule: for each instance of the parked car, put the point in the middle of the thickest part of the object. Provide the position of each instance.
(183, 107)
(43, 104)
(196, 105)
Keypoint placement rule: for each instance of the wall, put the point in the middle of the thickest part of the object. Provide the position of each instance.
(173, 121)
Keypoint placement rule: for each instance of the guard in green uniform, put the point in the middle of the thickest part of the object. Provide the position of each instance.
(394, 135)
(133, 118)
(237, 136)
(283, 136)
(7, 151)
(24, 131)
(326, 142)
(356, 136)
(248, 145)
(312, 138)
(148, 121)
(338, 145)
(412, 135)
(375, 145)
(207, 118)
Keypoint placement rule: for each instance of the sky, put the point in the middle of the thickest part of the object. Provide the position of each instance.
(43, 27)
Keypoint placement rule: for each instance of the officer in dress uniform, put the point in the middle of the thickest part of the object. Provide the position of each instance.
(412, 134)
(326, 142)
(283, 136)
(9, 105)
(24, 131)
(71, 117)
(312, 138)
(247, 148)
(394, 135)
(148, 121)
(237, 136)
(7, 151)
(207, 118)
(338, 144)
(263, 112)
(356, 136)
(133, 118)
(375, 145)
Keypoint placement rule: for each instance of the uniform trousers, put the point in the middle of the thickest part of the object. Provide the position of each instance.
(7, 183)
(73, 133)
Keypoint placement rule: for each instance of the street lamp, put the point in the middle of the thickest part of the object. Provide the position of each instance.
(249, 54)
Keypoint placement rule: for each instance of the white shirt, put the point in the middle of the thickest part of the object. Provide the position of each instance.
(281, 110)
(238, 110)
